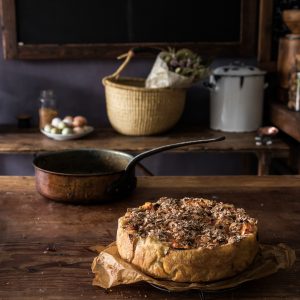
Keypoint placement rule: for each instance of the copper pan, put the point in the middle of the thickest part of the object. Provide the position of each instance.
(92, 175)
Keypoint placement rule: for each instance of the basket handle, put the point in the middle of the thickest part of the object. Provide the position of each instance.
(128, 56)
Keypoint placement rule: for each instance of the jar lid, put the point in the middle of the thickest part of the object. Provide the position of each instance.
(238, 70)
(47, 93)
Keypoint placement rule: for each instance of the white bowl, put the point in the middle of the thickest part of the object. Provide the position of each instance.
(65, 137)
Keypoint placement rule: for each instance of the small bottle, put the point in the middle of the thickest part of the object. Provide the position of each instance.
(48, 107)
(294, 85)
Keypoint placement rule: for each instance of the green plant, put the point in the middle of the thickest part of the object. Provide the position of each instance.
(185, 62)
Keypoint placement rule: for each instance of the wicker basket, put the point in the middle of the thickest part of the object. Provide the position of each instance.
(133, 109)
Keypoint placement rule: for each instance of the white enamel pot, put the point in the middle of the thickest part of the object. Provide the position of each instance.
(236, 102)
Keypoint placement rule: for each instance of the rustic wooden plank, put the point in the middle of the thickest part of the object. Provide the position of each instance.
(248, 28)
(263, 164)
(13, 140)
(8, 25)
(223, 182)
(27, 183)
(265, 31)
(32, 141)
(286, 120)
(45, 245)
(89, 51)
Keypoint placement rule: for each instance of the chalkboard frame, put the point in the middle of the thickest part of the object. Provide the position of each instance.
(245, 47)
(264, 46)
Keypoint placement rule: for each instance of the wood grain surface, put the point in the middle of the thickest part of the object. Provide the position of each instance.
(31, 141)
(13, 140)
(286, 120)
(264, 47)
(44, 245)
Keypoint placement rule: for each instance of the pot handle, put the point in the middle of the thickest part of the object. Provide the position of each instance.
(127, 181)
(148, 153)
(209, 85)
(145, 171)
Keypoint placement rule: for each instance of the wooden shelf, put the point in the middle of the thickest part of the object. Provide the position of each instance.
(14, 140)
(286, 120)
(31, 141)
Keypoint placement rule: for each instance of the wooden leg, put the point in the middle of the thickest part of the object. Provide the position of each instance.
(263, 163)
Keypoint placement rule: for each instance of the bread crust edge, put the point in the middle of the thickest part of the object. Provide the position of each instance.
(157, 259)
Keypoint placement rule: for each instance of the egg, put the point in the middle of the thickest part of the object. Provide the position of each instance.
(61, 125)
(78, 130)
(55, 122)
(48, 128)
(79, 121)
(67, 130)
(55, 130)
(68, 120)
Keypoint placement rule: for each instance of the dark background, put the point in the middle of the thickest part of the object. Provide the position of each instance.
(113, 21)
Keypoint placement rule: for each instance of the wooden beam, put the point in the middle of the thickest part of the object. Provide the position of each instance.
(8, 25)
(286, 120)
(88, 51)
(248, 28)
(265, 31)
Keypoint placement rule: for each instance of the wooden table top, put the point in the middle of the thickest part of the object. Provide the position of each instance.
(45, 245)
(32, 141)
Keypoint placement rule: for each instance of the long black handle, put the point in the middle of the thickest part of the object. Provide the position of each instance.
(126, 183)
(145, 154)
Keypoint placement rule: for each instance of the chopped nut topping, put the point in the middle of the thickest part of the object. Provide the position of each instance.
(189, 222)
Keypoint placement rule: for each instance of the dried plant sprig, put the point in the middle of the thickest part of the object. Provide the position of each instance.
(185, 62)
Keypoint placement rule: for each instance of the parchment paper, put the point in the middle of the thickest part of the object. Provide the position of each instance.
(111, 270)
(161, 77)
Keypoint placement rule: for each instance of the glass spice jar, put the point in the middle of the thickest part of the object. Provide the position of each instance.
(48, 107)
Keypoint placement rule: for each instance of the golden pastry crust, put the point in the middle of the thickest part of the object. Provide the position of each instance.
(209, 240)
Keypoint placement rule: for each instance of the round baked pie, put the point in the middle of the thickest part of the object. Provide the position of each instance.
(188, 240)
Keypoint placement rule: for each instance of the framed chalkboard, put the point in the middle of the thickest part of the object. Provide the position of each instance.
(50, 29)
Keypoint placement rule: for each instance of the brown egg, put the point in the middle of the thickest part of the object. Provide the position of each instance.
(78, 129)
(79, 121)
(68, 120)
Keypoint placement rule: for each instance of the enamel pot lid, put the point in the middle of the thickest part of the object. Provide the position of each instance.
(238, 70)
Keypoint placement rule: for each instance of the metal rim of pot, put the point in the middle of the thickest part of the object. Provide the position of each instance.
(58, 153)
